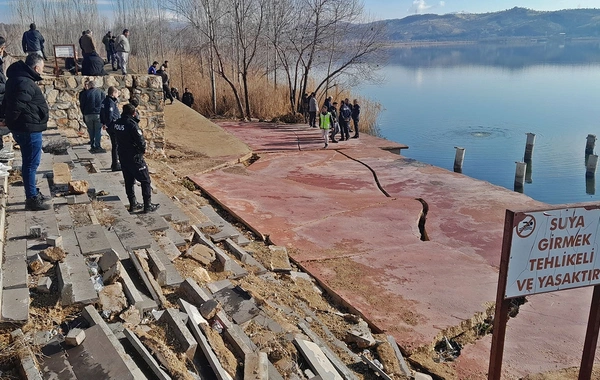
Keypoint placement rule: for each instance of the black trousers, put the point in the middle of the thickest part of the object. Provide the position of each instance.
(167, 92)
(136, 170)
(113, 149)
(344, 129)
(312, 119)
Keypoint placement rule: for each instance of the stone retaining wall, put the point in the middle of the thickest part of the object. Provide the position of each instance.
(62, 95)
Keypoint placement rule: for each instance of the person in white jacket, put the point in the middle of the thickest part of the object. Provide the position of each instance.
(122, 49)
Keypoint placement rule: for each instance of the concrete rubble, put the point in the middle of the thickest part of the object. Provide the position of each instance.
(161, 295)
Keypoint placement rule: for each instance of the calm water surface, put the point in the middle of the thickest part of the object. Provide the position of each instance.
(485, 99)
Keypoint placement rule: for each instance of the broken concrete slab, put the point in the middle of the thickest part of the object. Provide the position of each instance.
(169, 247)
(111, 275)
(131, 235)
(237, 303)
(75, 337)
(245, 257)
(226, 230)
(157, 267)
(74, 280)
(146, 356)
(194, 293)
(112, 299)
(27, 362)
(53, 254)
(256, 366)
(108, 260)
(224, 260)
(183, 335)
(405, 370)
(15, 273)
(153, 222)
(361, 335)
(15, 305)
(344, 371)
(201, 253)
(44, 285)
(61, 174)
(92, 239)
(316, 359)
(279, 260)
(93, 318)
(54, 240)
(375, 368)
(143, 275)
(219, 285)
(209, 309)
(195, 320)
(202, 275)
(175, 237)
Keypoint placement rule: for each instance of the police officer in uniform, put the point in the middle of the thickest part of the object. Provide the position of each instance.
(131, 147)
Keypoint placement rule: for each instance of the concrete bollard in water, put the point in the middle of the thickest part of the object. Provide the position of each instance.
(592, 162)
(590, 144)
(520, 176)
(529, 146)
(590, 185)
(459, 159)
(529, 172)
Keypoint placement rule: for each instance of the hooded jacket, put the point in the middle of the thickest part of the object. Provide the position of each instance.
(109, 112)
(25, 107)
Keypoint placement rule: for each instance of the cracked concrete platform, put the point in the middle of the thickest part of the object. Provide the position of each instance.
(366, 248)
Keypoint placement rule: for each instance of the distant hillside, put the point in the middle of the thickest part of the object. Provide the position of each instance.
(512, 23)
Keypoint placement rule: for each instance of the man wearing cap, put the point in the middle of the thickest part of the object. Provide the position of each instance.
(122, 50)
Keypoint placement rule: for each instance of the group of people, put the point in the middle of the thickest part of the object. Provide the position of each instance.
(24, 112)
(117, 50)
(332, 119)
(170, 93)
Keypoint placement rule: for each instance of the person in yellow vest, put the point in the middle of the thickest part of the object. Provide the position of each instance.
(325, 124)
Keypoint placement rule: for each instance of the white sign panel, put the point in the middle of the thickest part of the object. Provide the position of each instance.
(64, 51)
(553, 250)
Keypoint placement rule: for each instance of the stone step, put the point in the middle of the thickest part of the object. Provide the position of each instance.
(131, 235)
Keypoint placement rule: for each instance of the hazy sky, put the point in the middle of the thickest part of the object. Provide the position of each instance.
(382, 9)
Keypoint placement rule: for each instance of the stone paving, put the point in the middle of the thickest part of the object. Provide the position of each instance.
(352, 212)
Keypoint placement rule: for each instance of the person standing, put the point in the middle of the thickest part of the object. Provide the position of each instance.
(122, 49)
(304, 107)
(131, 147)
(90, 102)
(187, 98)
(109, 113)
(26, 115)
(33, 41)
(152, 68)
(175, 93)
(112, 54)
(355, 118)
(325, 124)
(312, 110)
(164, 73)
(106, 42)
(3, 129)
(335, 125)
(86, 42)
(345, 116)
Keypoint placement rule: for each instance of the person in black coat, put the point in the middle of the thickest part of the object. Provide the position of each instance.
(187, 98)
(109, 113)
(93, 65)
(131, 147)
(90, 102)
(26, 115)
(355, 118)
(33, 41)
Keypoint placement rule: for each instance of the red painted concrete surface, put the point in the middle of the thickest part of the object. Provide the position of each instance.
(366, 247)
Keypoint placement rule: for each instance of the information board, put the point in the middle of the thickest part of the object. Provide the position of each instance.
(553, 250)
(64, 51)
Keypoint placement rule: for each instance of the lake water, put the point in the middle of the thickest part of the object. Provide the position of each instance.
(485, 99)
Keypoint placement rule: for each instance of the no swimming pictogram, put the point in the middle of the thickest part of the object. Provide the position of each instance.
(526, 226)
